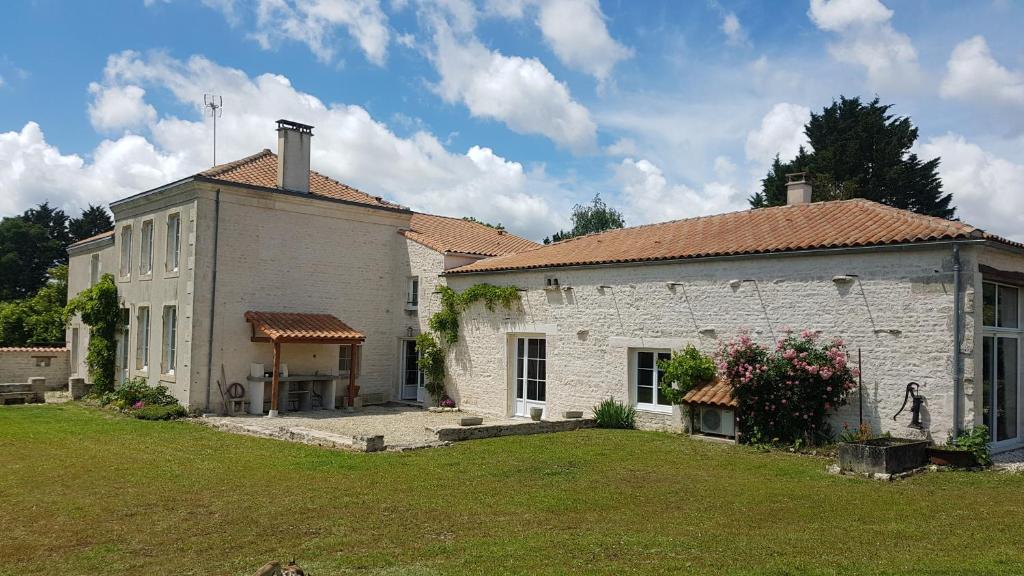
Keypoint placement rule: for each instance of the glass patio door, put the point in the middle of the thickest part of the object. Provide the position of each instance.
(412, 378)
(1000, 381)
(531, 375)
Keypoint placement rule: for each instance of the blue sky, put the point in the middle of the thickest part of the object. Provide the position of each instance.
(507, 110)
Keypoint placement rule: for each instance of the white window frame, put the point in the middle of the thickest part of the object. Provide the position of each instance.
(75, 343)
(412, 293)
(997, 333)
(124, 344)
(125, 264)
(168, 355)
(520, 374)
(634, 380)
(94, 269)
(143, 318)
(172, 253)
(146, 248)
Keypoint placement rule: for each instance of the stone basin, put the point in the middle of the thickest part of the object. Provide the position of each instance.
(883, 455)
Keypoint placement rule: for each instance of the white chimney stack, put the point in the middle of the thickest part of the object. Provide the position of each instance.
(293, 155)
(798, 189)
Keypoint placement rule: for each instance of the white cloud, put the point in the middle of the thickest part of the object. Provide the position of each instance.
(577, 33)
(348, 145)
(119, 107)
(313, 22)
(649, 197)
(973, 74)
(781, 132)
(986, 188)
(622, 147)
(867, 39)
(1, 81)
(733, 30)
(520, 92)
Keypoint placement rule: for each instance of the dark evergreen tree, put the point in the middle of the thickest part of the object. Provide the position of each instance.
(94, 220)
(590, 218)
(26, 252)
(55, 222)
(860, 150)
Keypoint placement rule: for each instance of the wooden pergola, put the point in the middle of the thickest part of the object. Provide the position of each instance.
(298, 328)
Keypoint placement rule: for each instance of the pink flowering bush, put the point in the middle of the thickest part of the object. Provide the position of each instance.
(786, 395)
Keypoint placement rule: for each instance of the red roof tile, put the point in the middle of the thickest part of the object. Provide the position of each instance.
(446, 234)
(298, 327)
(261, 170)
(33, 349)
(718, 393)
(838, 224)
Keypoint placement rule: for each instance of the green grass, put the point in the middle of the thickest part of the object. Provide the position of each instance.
(89, 492)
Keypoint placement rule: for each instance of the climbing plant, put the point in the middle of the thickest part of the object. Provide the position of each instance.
(445, 324)
(100, 310)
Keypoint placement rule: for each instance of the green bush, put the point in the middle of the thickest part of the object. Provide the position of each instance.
(614, 414)
(974, 440)
(684, 371)
(136, 393)
(159, 412)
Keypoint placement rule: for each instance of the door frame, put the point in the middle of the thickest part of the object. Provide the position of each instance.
(997, 333)
(520, 408)
(421, 392)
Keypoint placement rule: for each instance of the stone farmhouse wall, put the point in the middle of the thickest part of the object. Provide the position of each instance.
(897, 309)
(17, 365)
(80, 277)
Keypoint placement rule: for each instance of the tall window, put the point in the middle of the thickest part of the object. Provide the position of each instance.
(125, 266)
(94, 269)
(412, 300)
(647, 380)
(74, 350)
(345, 359)
(142, 339)
(1001, 338)
(124, 344)
(173, 242)
(531, 374)
(146, 254)
(170, 336)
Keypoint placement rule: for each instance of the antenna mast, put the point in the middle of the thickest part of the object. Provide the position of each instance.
(214, 105)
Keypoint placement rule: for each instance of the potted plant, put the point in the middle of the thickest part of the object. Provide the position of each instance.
(969, 449)
(536, 413)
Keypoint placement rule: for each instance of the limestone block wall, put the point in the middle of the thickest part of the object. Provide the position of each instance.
(896, 307)
(17, 365)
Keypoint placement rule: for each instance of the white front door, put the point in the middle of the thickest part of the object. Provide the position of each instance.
(412, 378)
(1001, 381)
(530, 375)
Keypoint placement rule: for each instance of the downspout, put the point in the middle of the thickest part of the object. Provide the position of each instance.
(957, 337)
(213, 298)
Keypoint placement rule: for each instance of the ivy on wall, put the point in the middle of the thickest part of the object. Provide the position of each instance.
(445, 325)
(101, 311)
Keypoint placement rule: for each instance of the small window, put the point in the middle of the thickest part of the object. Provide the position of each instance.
(412, 300)
(42, 361)
(74, 350)
(94, 269)
(345, 359)
(999, 305)
(125, 266)
(173, 242)
(146, 252)
(170, 337)
(647, 380)
(142, 339)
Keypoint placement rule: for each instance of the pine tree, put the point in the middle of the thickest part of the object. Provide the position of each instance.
(590, 218)
(94, 220)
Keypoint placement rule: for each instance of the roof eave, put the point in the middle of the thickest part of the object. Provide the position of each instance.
(294, 194)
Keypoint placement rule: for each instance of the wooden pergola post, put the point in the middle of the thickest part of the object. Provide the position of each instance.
(353, 363)
(276, 380)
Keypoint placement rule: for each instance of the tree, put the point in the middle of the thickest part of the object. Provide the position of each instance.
(26, 253)
(55, 222)
(497, 226)
(861, 151)
(94, 220)
(101, 311)
(590, 218)
(40, 318)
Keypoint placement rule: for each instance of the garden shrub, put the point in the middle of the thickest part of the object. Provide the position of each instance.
(684, 371)
(136, 393)
(974, 440)
(786, 395)
(101, 311)
(431, 362)
(614, 414)
(159, 412)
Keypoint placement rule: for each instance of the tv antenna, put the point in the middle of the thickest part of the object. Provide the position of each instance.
(214, 105)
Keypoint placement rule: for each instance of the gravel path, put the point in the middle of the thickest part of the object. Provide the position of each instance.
(1012, 460)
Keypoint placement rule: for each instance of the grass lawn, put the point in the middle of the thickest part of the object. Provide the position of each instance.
(88, 492)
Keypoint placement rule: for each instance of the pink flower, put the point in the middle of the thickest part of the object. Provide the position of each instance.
(826, 373)
(812, 369)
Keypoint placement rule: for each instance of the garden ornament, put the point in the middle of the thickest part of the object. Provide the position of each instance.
(915, 407)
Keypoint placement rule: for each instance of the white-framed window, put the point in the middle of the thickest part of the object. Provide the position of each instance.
(173, 242)
(125, 265)
(146, 251)
(142, 339)
(94, 269)
(124, 344)
(1001, 385)
(168, 355)
(74, 350)
(646, 380)
(412, 298)
(345, 359)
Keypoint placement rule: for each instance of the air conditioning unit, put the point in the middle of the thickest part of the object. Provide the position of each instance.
(718, 421)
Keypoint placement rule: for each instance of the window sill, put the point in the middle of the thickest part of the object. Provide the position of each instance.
(127, 278)
(172, 274)
(653, 409)
(143, 372)
(143, 277)
(167, 377)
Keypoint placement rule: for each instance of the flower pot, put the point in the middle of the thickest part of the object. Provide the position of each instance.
(883, 455)
(952, 457)
(536, 413)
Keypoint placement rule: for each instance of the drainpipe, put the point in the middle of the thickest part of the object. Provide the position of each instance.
(213, 299)
(957, 337)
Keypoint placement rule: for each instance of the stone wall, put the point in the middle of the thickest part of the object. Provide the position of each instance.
(895, 305)
(17, 365)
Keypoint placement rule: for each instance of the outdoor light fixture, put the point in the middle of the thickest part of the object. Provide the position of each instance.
(604, 287)
(408, 331)
(672, 285)
(844, 278)
(735, 283)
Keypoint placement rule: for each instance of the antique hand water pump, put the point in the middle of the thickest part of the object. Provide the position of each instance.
(915, 406)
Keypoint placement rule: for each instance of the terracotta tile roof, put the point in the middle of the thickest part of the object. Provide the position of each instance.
(446, 234)
(261, 170)
(846, 223)
(298, 327)
(718, 393)
(33, 349)
(106, 234)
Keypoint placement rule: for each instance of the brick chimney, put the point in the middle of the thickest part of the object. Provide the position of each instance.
(293, 155)
(798, 188)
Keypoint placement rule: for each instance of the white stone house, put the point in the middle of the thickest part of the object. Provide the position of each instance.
(923, 299)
